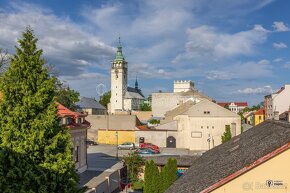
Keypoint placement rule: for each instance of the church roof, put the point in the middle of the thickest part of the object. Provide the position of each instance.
(134, 93)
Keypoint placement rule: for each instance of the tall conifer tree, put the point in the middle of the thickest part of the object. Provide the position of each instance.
(35, 151)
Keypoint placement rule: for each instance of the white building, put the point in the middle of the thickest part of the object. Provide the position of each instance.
(277, 103)
(235, 107)
(123, 98)
(193, 125)
(182, 92)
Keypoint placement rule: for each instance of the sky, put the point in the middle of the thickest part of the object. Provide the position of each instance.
(232, 50)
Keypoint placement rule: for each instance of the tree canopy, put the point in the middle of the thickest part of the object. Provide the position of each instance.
(227, 134)
(105, 99)
(35, 151)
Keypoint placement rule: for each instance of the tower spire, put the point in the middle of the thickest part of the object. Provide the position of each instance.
(119, 54)
(136, 83)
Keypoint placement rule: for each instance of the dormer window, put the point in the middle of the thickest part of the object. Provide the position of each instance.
(79, 120)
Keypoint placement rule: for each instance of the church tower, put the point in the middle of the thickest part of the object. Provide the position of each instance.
(119, 83)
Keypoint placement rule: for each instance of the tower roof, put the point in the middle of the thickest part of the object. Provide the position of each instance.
(119, 54)
(136, 83)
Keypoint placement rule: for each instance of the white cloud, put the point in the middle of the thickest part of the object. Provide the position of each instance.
(246, 70)
(219, 75)
(287, 65)
(279, 26)
(259, 90)
(205, 42)
(278, 59)
(279, 45)
(70, 49)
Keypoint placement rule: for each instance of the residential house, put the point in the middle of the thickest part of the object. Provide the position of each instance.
(78, 126)
(235, 107)
(255, 161)
(249, 117)
(259, 116)
(90, 106)
(277, 103)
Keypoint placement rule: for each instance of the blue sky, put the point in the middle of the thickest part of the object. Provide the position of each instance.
(232, 50)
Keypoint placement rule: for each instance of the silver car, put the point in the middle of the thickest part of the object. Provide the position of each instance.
(127, 145)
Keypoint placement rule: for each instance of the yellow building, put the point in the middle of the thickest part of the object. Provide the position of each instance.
(114, 137)
(255, 161)
(259, 116)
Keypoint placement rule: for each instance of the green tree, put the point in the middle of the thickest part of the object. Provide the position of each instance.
(227, 134)
(105, 99)
(148, 183)
(154, 121)
(168, 174)
(145, 107)
(35, 151)
(66, 96)
(134, 163)
(151, 178)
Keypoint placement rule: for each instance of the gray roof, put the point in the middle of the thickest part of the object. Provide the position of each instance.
(134, 93)
(225, 159)
(90, 103)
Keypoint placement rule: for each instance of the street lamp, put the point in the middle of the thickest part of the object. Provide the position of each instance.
(117, 145)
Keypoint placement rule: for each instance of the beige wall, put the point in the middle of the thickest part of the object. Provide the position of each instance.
(156, 137)
(91, 111)
(79, 137)
(122, 122)
(194, 132)
(163, 102)
(277, 168)
(142, 115)
(182, 86)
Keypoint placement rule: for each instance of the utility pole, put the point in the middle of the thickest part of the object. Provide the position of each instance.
(117, 145)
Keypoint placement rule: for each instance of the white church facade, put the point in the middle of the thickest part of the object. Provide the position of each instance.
(123, 97)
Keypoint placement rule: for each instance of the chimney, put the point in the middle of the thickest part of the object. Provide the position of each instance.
(276, 115)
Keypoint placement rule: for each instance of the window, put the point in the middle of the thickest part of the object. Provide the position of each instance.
(77, 154)
(68, 120)
(206, 112)
(260, 117)
(212, 127)
(207, 127)
(201, 127)
(79, 120)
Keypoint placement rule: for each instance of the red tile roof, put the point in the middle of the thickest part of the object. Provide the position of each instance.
(143, 127)
(239, 104)
(62, 111)
(260, 112)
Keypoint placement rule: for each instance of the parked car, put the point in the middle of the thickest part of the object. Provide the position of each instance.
(91, 142)
(149, 145)
(146, 151)
(126, 145)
